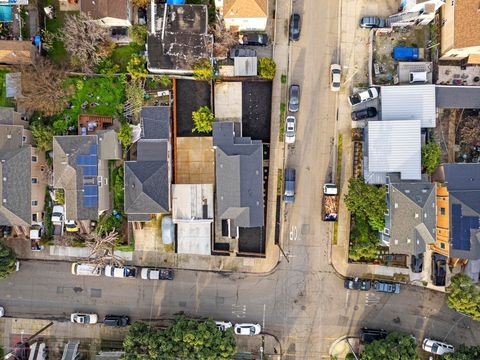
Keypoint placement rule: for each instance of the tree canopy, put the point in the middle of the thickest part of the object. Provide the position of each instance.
(136, 67)
(365, 244)
(125, 135)
(7, 261)
(266, 68)
(464, 353)
(43, 135)
(185, 339)
(431, 157)
(396, 346)
(203, 120)
(464, 296)
(367, 201)
(203, 70)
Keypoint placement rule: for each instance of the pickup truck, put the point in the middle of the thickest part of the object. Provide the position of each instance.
(407, 53)
(289, 186)
(330, 202)
(362, 96)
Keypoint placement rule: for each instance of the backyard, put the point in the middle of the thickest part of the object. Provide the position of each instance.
(4, 101)
(385, 67)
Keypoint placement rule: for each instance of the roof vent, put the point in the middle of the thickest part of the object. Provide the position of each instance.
(407, 191)
(416, 216)
(424, 191)
(409, 241)
(396, 206)
(9, 136)
(4, 201)
(396, 242)
(4, 178)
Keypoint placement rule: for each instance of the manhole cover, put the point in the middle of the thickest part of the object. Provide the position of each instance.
(59, 289)
(182, 304)
(96, 293)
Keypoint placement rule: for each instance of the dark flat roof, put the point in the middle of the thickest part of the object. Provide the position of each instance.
(457, 97)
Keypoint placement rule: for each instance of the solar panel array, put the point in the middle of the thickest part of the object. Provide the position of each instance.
(461, 226)
(88, 163)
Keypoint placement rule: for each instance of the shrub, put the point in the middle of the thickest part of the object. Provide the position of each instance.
(203, 70)
(266, 68)
(203, 120)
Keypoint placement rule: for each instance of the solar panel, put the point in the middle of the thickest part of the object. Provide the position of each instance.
(90, 190)
(90, 171)
(82, 159)
(461, 226)
(90, 201)
(93, 149)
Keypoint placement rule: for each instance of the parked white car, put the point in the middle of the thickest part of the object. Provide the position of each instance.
(2, 311)
(247, 329)
(290, 126)
(223, 325)
(81, 318)
(120, 272)
(57, 214)
(335, 76)
(437, 347)
(156, 274)
(362, 96)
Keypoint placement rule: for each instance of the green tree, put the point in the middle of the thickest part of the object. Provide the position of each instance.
(43, 135)
(396, 346)
(365, 241)
(185, 339)
(125, 134)
(7, 261)
(266, 68)
(139, 34)
(464, 353)
(431, 157)
(203, 70)
(464, 296)
(136, 67)
(367, 201)
(203, 120)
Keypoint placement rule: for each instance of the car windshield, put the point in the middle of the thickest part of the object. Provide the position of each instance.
(434, 348)
(56, 214)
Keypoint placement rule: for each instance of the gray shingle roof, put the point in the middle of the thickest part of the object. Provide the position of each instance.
(457, 97)
(146, 187)
(109, 147)
(413, 214)
(239, 177)
(16, 187)
(68, 176)
(147, 179)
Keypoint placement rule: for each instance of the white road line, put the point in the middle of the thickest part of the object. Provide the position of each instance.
(263, 322)
(347, 295)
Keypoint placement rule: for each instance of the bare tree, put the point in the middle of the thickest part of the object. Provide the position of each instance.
(224, 39)
(470, 131)
(86, 40)
(43, 88)
(101, 249)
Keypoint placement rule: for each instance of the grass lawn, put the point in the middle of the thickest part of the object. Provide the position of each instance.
(4, 101)
(122, 54)
(107, 92)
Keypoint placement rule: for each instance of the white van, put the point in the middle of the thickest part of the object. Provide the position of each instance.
(38, 351)
(418, 77)
(86, 269)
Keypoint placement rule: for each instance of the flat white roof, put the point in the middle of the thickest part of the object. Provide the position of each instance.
(194, 238)
(245, 66)
(395, 146)
(409, 102)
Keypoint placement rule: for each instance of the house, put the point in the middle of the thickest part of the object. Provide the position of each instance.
(411, 216)
(460, 31)
(113, 14)
(80, 168)
(244, 15)
(239, 179)
(178, 38)
(410, 102)
(415, 12)
(23, 170)
(14, 52)
(8, 116)
(148, 177)
(392, 146)
(459, 211)
(192, 206)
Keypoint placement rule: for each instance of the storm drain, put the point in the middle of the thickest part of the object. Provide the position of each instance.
(96, 293)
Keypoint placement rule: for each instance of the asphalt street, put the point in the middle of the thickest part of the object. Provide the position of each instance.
(303, 301)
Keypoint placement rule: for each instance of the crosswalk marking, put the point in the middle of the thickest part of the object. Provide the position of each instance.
(372, 299)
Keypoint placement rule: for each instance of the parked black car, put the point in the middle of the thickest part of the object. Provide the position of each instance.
(364, 113)
(416, 263)
(370, 335)
(294, 98)
(372, 22)
(116, 320)
(439, 269)
(242, 53)
(357, 284)
(255, 39)
(294, 27)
